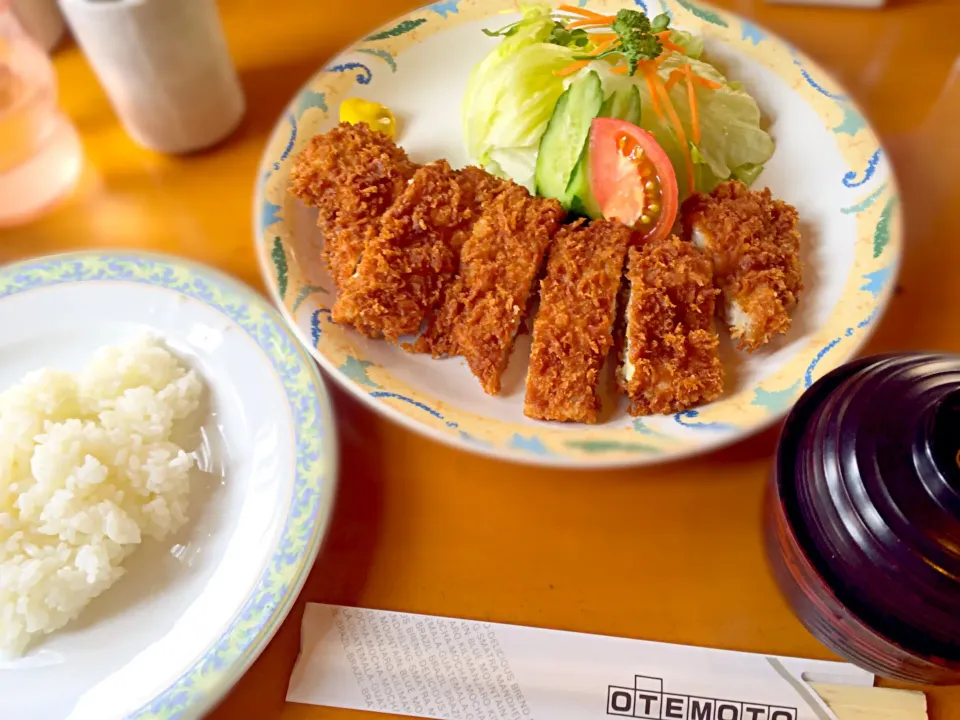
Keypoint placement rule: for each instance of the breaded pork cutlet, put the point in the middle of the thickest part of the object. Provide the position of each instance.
(573, 329)
(499, 263)
(351, 174)
(754, 244)
(406, 266)
(669, 355)
(484, 186)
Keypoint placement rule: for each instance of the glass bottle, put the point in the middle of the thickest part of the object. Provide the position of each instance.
(40, 153)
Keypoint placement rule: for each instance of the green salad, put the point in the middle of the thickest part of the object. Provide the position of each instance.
(532, 106)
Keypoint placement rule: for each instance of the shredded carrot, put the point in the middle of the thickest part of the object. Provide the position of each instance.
(584, 13)
(571, 68)
(694, 110)
(703, 82)
(675, 77)
(671, 112)
(686, 73)
(603, 46)
(620, 70)
(664, 38)
(578, 64)
(650, 75)
(690, 76)
(585, 23)
(603, 37)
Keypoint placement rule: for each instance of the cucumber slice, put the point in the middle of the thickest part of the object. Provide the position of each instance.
(607, 109)
(632, 114)
(566, 136)
(578, 198)
(623, 104)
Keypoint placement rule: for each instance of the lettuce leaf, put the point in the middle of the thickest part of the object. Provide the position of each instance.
(510, 96)
(731, 138)
(691, 44)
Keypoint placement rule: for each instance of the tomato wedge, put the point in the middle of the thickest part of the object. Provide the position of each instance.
(632, 178)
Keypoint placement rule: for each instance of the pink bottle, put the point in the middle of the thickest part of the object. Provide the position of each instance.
(40, 153)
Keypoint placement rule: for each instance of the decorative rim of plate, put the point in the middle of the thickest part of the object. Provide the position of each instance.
(198, 688)
(874, 205)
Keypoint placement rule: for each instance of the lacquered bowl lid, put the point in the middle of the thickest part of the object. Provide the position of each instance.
(868, 470)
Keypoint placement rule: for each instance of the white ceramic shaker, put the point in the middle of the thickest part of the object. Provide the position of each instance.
(165, 66)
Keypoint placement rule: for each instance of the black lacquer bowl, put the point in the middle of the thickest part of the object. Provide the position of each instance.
(863, 519)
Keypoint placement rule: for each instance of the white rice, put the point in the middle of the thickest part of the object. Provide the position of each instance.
(87, 470)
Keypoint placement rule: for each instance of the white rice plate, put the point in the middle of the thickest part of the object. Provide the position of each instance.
(88, 470)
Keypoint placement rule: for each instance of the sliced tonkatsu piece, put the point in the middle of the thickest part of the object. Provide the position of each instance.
(351, 174)
(483, 308)
(484, 186)
(669, 351)
(405, 268)
(573, 329)
(754, 244)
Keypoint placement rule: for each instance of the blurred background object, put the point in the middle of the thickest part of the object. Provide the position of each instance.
(837, 3)
(42, 20)
(40, 152)
(165, 66)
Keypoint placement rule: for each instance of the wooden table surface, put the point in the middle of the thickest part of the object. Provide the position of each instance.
(668, 553)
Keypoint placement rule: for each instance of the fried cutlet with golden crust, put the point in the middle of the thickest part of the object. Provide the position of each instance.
(406, 266)
(754, 244)
(499, 263)
(669, 349)
(573, 329)
(484, 186)
(351, 174)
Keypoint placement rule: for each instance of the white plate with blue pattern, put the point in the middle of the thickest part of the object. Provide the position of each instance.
(191, 614)
(829, 164)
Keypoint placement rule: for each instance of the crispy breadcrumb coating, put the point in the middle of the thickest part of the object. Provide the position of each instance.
(754, 244)
(351, 174)
(484, 186)
(405, 267)
(461, 252)
(573, 329)
(670, 360)
(483, 308)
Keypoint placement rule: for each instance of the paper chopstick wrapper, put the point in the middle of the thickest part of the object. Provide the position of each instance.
(435, 667)
(165, 66)
(873, 703)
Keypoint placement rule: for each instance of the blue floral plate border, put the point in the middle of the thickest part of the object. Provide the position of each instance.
(202, 685)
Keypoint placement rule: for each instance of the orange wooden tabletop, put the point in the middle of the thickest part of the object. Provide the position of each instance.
(669, 553)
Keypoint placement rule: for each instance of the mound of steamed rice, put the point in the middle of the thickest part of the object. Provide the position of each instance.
(87, 471)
